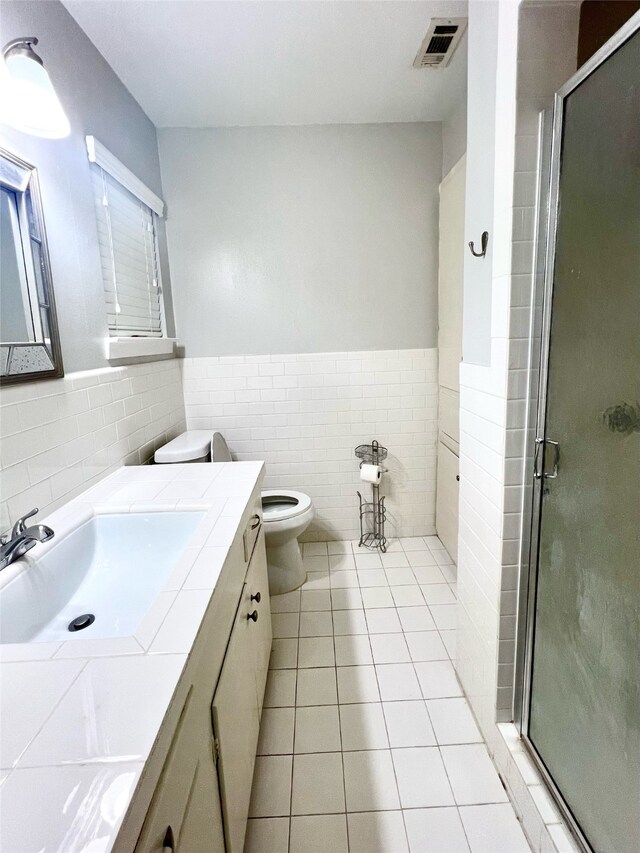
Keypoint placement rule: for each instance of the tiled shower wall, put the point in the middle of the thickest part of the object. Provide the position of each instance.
(537, 51)
(304, 414)
(547, 51)
(494, 401)
(61, 436)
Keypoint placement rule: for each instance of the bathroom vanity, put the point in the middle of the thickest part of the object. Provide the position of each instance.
(148, 740)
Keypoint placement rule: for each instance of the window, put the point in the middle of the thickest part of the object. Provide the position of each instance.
(126, 234)
(127, 213)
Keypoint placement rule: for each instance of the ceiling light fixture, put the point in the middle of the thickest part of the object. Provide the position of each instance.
(28, 101)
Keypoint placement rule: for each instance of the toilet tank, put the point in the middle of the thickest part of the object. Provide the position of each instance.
(194, 445)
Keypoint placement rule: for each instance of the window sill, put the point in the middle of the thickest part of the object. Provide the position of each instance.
(139, 348)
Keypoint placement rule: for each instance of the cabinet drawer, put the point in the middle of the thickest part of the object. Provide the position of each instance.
(251, 534)
(258, 586)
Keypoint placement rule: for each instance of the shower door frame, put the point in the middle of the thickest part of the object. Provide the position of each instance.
(549, 169)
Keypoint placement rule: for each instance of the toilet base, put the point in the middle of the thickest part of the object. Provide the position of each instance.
(284, 566)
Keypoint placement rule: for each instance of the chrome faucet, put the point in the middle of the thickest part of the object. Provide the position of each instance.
(22, 539)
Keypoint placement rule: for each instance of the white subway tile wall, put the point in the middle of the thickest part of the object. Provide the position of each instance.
(59, 437)
(484, 469)
(304, 415)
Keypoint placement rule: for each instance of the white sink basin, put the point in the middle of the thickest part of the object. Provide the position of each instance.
(111, 567)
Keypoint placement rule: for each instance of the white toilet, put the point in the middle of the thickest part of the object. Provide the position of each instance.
(286, 514)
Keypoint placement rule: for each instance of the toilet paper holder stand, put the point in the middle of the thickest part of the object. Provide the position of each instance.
(373, 513)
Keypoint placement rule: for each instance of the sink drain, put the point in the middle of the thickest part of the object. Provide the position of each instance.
(81, 622)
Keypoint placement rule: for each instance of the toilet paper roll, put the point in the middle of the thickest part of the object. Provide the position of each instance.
(370, 473)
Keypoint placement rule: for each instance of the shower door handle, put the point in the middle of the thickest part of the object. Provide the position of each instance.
(539, 465)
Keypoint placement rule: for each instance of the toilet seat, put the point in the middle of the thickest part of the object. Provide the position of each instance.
(279, 504)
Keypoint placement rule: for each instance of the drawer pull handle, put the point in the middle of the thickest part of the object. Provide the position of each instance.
(168, 845)
(257, 598)
(256, 521)
(253, 616)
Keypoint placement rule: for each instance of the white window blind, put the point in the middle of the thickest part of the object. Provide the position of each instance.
(127, 239)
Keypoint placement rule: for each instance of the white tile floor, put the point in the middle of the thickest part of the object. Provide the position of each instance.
(367, 744)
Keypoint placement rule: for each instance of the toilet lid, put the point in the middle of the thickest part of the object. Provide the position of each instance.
(280, 503)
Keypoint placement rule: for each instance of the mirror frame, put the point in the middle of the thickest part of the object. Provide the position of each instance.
(21, 177)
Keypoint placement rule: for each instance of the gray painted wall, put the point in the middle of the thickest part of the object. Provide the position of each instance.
(303, 239)
(96, 103)
(481, 171)
(454, 136)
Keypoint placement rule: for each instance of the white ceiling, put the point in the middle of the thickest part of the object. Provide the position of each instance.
(223, 64)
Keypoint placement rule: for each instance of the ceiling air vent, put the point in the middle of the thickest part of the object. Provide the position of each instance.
(440, 42)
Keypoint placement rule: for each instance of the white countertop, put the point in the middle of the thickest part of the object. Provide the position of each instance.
(79, 718)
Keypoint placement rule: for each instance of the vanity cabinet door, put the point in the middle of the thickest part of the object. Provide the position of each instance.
(184, 816)
(201, 830)
(258, 584)
(448, 491)
(236, 722)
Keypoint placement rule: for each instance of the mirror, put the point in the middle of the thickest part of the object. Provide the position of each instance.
(29, 342)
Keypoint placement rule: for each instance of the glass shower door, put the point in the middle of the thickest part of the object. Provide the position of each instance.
(583, 720)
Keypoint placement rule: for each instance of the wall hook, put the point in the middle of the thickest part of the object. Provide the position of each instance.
(484, 242)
